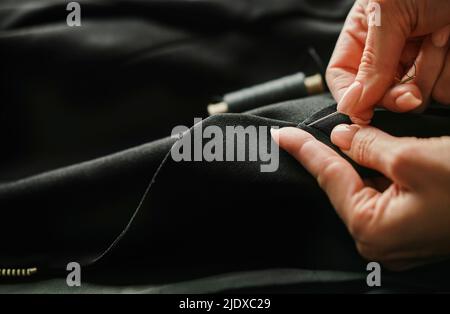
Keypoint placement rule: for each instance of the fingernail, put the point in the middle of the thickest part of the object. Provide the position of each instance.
(408, 101)
(342, 135)
(351, 98)
(275, 134)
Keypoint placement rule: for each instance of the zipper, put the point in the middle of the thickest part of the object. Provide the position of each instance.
(17, 272)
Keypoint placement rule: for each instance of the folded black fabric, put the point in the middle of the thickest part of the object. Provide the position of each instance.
(85, 118)
(199, 218)
(135, 69)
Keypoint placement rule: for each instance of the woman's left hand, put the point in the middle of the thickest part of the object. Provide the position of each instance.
(401, 220)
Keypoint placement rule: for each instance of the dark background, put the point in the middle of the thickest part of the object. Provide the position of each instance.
(135, 69)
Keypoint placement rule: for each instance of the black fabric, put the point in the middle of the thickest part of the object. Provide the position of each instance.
(199, 218)
(85, 118)
(134, 69)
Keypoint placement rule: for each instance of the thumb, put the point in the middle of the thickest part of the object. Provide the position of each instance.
(382, 51)
(375, 149)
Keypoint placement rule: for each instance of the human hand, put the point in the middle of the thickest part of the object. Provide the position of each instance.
(367, 58)
(402, 220)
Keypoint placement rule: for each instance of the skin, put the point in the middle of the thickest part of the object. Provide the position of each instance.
(367, 59)
(403, 219)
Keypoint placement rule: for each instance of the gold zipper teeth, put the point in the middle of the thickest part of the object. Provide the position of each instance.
(17, 272)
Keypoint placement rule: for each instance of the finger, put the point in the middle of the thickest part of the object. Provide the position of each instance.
(382, 52)
(440, 37)
(429, 65)
(344, 62)
(441, 92)
(374, 149)
(405, 97)
(402, 98)
(432, 16)
(335, 175)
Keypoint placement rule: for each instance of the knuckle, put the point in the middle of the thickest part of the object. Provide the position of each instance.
(362, 214)
(358, 225)
(363, 147)
(397, 163)
(400, 159)
(307, 144)
(368, 59)
(332, 168)
(370, 65)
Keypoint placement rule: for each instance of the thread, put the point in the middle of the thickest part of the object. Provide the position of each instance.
(142, 199)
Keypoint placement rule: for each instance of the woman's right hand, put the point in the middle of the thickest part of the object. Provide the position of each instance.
(368, 58)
